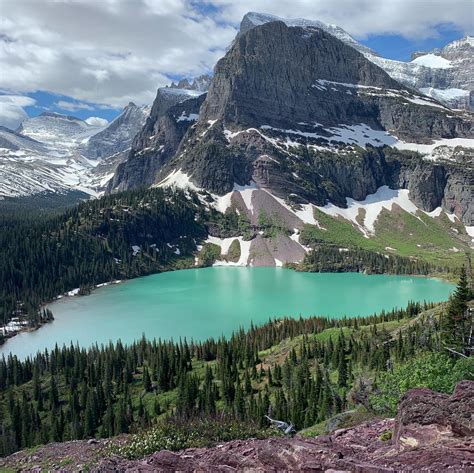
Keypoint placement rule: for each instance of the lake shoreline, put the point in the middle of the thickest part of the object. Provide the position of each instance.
(25, 328)
(294, 303)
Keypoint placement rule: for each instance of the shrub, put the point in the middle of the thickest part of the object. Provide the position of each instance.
(234, 251)
(209, 254)
(173, 434)
(435, 371)
(385, 436)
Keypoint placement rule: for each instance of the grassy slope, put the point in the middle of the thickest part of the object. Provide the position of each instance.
(421, 236)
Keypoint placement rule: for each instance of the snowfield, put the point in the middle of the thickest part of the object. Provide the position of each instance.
(432, 61)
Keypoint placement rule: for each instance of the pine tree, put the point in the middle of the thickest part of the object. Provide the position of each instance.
(146, 379)
(455, 323)
(342, 368)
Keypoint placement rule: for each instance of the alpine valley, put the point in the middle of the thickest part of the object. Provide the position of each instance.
(304, 150)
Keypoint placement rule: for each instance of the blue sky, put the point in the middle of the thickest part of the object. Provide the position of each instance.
(46, 101)
(397, 47)
(90, 58)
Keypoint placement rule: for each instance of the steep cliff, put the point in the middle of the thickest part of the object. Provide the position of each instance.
(297, 121)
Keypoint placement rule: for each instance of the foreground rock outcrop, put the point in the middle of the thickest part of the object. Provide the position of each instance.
(432, 432)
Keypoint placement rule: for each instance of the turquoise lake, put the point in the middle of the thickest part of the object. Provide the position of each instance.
(202, 303)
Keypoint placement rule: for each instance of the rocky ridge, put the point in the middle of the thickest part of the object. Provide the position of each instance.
(445, 74)
(118, 135)
(432, 432)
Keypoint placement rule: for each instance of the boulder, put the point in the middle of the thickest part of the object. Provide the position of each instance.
(426, 417)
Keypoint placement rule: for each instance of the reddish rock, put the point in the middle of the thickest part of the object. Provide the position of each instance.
(425, 417)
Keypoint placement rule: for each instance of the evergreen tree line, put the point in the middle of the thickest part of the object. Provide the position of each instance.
(92, 244)
(330, 258)
(457, 324)
(74, 393)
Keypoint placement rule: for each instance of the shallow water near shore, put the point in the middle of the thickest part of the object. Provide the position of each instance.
(209, 302)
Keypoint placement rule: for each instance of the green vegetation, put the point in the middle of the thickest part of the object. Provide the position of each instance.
(386, 436)
(435, 243)
(209, 254)
(332, 258)
(271, 225)
(119, 236)
(173, 395)
(229, 224)
(234, 252)
(436, 371)
(178, 435)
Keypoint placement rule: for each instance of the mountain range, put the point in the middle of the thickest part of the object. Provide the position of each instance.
(58, 154)
(301, 129)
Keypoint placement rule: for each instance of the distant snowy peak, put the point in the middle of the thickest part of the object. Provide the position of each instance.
(200, 83)
(253, 19)
(62, 131)
(467, 41)
(54, 153)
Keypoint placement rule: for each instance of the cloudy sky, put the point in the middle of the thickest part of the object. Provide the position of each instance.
(91, 57)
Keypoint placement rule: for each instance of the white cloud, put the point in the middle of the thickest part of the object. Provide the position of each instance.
(11, 110)
(110, 52)
(73, 106)
(96, 121)
(105, 52)
(414, 19)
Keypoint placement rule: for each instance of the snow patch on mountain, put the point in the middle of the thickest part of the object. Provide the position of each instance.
(371, 207)
(178, 179)
(432, 61)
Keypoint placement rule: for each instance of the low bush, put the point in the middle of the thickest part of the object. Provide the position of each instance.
(173, 434)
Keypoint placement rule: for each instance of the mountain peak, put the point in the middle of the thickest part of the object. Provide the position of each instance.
(60, 115)
(254, 19)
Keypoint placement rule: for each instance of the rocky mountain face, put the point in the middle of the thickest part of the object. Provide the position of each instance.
(297, 121)
(432, 432)
(118, 135)
(317, 92)
(158, 141)
(445, 74)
